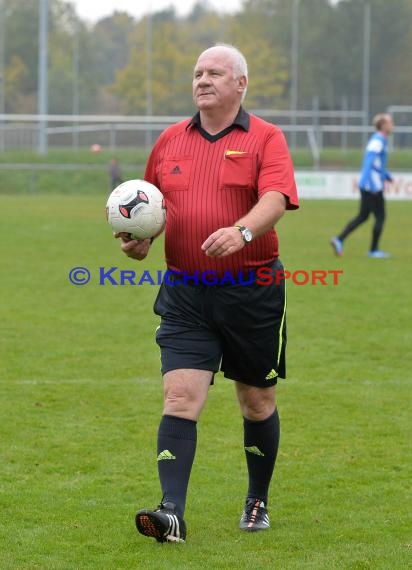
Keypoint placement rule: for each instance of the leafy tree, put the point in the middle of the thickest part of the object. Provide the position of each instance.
(391, 77)
(16, 73)
(107, 68)
(21, 25)
(389, 42)
(268, 66)
(174, 48)
(111, 44)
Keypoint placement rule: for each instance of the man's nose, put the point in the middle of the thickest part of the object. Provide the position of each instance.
(204, 78)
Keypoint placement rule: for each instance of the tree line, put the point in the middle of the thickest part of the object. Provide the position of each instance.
(123, 65)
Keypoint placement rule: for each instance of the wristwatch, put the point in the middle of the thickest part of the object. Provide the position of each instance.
(246, 233)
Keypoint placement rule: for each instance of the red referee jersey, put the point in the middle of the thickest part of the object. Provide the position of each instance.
(209, 182)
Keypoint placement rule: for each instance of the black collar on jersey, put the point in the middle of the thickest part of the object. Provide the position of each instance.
(242, 120)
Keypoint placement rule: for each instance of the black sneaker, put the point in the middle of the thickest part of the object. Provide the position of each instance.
(255, 516)
(163, 524)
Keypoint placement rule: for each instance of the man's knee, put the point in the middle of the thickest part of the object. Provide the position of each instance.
(176, 397)
(378, 227)
(380, 218)
(185, 392)
(256, 403)
(362, 218)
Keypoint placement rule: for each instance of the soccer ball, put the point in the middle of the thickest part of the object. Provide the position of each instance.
(136, 207)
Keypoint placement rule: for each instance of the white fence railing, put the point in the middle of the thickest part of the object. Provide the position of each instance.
(311, 129)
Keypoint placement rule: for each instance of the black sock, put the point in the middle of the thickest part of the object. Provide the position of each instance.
(176, 446)
(261, 447)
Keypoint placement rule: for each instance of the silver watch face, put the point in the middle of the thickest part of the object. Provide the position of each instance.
(247, 235)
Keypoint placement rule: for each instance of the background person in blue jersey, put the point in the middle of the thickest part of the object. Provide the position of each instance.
(372, 185)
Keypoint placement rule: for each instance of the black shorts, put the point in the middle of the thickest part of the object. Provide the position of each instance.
(239, 329)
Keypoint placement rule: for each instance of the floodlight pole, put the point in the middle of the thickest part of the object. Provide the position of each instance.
(2, 71)
(294, 69)
(366, 67)
(42, 99)
(149, 76)
(75, 99)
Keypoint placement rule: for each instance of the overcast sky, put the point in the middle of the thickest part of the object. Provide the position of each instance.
(93, 11)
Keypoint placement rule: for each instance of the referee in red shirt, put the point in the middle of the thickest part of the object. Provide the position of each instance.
(227, 178)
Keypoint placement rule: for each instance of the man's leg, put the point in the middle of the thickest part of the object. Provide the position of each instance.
(363, 215)
(261, 436)
(378, 208)
(185, 393)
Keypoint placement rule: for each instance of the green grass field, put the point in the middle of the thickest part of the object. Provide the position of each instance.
(82, 395)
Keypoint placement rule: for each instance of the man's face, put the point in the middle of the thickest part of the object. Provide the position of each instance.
(214, 86)
(388, 125)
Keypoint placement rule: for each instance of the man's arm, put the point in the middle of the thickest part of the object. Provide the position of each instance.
(265, 214)
(372, 151)
(260, 219)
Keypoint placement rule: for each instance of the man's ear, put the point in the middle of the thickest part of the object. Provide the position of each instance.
(242, 83)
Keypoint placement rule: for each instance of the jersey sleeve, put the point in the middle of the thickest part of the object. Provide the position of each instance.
(150, 171)
(375, 146)
(368, 180)
(276, 171)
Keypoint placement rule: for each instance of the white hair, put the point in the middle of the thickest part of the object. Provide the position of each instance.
(238, 59)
